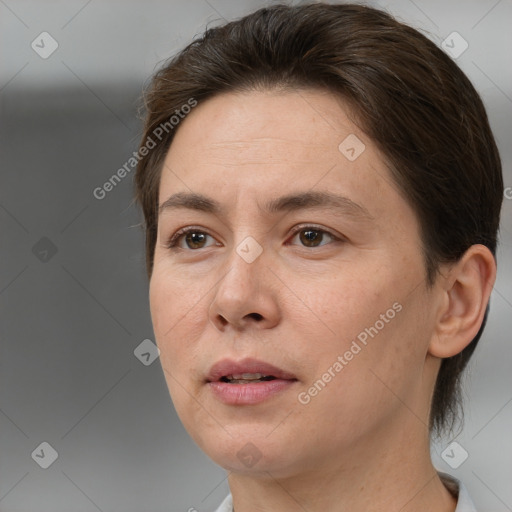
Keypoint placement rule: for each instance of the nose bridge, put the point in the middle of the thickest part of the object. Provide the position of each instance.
(245, 265)
(243, 290)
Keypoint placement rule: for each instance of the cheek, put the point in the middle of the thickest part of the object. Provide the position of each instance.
(171, 307)
(388, 373)
(179, 312)
(168, 314)
(348, 302)
(172, 300)
(371, 383)
(375, 324)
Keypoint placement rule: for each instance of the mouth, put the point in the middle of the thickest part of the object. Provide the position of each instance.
(246, 371)
(246, 378)
(247, 382)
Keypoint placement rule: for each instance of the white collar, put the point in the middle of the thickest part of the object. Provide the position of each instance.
(458, 489)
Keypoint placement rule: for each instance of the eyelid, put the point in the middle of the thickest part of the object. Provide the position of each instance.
(300, 227)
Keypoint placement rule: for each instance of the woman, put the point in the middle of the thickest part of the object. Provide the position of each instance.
(321, 193)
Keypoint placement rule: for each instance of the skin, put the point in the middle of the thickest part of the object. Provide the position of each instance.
(362, 442)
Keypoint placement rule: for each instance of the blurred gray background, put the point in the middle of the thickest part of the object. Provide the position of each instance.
(73, 290)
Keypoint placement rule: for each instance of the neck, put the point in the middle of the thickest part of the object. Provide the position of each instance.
(379, 474)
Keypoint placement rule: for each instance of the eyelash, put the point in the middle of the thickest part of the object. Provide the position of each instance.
(174, 240)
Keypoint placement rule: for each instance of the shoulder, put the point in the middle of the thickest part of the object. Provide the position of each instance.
(455, 486)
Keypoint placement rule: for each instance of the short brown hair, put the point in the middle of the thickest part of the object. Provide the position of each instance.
(409, 97)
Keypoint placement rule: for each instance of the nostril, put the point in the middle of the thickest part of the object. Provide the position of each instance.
(256, 316)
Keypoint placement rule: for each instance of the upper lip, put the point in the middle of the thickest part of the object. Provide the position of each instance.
(229, 367)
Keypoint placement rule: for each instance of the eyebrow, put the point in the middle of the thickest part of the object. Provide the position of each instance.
(290, 202)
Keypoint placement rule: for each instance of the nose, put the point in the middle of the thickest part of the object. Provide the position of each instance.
(247, 294)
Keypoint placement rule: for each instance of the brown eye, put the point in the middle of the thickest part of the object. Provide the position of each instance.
(312, 237)
(194, 239)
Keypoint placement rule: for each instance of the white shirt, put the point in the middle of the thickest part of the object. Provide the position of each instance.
(456, 487)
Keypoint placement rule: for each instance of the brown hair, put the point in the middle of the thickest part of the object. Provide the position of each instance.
(410, 98)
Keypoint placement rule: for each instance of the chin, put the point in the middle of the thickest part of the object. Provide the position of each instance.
(256, 468)
(250, 455)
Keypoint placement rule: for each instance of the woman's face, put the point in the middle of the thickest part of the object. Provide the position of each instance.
(331, 295)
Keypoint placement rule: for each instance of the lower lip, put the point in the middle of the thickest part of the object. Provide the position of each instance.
(248, 394)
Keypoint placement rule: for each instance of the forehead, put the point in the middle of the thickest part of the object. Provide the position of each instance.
(263, 144)
(242, 125)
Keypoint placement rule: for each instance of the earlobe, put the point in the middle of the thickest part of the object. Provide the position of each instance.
(466, 291)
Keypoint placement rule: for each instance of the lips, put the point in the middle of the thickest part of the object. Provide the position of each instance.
(247, 370)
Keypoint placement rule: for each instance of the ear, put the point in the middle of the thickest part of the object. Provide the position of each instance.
(466, 289)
